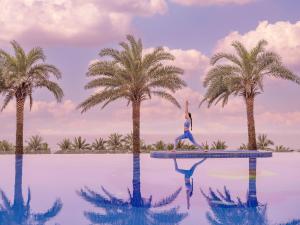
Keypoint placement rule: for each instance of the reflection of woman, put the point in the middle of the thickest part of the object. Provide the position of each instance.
(187, 124)
(188, 181)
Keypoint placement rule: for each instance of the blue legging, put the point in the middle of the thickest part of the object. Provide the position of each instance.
(187, 135)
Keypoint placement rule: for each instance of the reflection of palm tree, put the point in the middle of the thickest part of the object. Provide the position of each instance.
(188, 181)
(20, 212)
(135, 209)
(226, 211)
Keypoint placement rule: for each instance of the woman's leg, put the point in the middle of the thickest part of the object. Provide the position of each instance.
(181, 137)
(191, 138)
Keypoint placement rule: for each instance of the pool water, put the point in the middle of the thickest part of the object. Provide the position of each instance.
(136, 189)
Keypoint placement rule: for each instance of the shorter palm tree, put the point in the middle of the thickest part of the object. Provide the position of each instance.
(281, 148)
(189, 147)
(218, 145)
(6, 147)
(115, 142)
(99, 144)
(263, 142)
(170, 147)
(80, 144)
(243, 147)
(65, 145)
(149, 148)
(160, 145)
(180, 145)
(36, 144)
(205, 146)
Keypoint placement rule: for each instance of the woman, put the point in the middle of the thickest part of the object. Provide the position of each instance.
(188, 180)
(187, 134)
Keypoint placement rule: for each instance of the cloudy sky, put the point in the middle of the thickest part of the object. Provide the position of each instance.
(72, 32)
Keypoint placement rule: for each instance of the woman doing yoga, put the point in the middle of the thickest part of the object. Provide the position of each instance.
(187, 133)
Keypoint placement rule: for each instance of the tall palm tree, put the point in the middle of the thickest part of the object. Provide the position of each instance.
(263, 142)
(22, 74)
(19, 211)
(135, 76)
(135, 209)
(243, 75)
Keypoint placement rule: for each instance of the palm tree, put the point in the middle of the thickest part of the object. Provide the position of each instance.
(133, 76)
(218, 145)
(65, 145)
(180, 145)
(244, 76)
(281, 148)
(160, 145)
(36, 144)
(170, 146)
(243, 146)
(99, 145)
(80, 144)
(205, 146)
(263, 142)
(6, 147)
(19, 211)
(22, 74)
(135, 209)
(115, 142)
(128, 142)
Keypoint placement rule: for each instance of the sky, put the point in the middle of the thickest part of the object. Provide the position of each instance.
(72, 33)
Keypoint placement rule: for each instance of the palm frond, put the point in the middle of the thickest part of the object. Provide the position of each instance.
(167, 96)
(7, 99)
(53, 87)
(167, 200)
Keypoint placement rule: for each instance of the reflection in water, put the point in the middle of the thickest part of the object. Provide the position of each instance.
(134, 210)
(226, 211)
(188, 180)
(20, 212)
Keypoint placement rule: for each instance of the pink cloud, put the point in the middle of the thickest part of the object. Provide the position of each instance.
(282, 37)
(41, 108)
(72, 21)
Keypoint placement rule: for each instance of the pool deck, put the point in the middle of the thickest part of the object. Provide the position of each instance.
(211, 154)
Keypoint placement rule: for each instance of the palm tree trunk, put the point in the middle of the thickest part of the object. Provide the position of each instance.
(137, 200)
(251, 123)
(252, 198)
(18, 194)
(20, 101)
(136, 106)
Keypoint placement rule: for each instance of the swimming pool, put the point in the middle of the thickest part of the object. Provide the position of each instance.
(128, 189)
